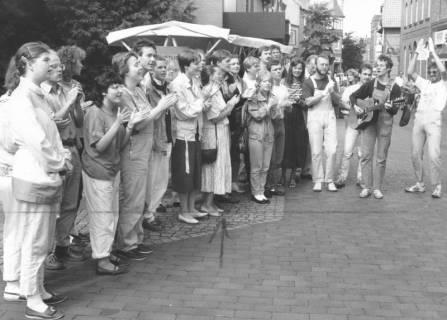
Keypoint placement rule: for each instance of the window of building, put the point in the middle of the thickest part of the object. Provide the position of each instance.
(406, 14)
(416, 14)
(411, 12)
(429, 9)
(405, 59)
(422, 9)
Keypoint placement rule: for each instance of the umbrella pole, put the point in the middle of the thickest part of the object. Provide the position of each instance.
(126, 46)
(213, 47)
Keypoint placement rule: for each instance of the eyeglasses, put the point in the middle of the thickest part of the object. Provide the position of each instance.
(57, 66)
(433, 72)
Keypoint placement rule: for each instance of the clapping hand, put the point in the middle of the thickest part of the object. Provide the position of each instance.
(73, 95)
(123, 115)
(232, 87)
(358, 110)
(234, 100)
(168, 100)
(62, 123)
(137, 117)
(86, 104)
(68, 167)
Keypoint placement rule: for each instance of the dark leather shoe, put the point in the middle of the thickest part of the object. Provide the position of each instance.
(64, 253)
(133, 254)
(50, 313)
(144, 249)
(268, 194)
(152, 225)
(55, 299)
(53, 263)
(277, 192)
(118, 261)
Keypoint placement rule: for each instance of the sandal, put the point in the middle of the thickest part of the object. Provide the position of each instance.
(118, 261)
(116, 269)
(13, 297)
(292, 183)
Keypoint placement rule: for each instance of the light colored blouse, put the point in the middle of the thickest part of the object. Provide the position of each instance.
(40, 156)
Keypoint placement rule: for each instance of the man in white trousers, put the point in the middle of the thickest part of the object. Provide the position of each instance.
(318, 90)
(428, 120)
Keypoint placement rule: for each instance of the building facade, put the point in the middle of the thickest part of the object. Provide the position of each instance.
(375, 46)
(267, 19)
(391, 32)
(421, 19)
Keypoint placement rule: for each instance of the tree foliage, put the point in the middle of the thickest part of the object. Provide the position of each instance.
(319, 34)
(84, 23)
(352, 52)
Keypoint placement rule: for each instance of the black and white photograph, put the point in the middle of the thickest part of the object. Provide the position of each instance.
(223, 159)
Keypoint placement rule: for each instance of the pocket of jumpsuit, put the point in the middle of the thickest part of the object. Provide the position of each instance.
(386, 126)
(139, 148)
(255, 130)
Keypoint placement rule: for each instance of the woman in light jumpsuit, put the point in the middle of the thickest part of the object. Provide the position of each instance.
(260, 135)
(135, 157)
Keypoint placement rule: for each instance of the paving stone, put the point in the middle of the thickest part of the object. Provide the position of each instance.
(305, 256)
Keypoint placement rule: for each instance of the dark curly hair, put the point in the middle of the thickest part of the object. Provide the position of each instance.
(107, 78)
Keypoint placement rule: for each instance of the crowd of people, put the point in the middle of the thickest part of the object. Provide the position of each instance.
(203, 124)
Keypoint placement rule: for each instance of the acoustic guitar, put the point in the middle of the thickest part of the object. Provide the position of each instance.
(367, 118)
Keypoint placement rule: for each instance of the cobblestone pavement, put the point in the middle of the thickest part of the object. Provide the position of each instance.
(309, 256)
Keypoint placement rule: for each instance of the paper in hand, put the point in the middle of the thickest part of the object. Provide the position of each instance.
(424, 53)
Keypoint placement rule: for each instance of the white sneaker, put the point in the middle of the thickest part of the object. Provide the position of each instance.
(377, 194)
(317, 187)
(365, 193)
(199, 215)
(189, 220)
(436, 192)
(331, 187)
(418, 187)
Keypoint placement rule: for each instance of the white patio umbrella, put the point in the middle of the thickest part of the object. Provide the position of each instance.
(175, 31)
(257, 43)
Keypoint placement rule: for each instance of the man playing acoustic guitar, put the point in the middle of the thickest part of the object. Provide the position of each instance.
(376, 98)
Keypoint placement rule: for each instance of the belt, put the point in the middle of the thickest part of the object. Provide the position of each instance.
(5, 170)
(69, 143)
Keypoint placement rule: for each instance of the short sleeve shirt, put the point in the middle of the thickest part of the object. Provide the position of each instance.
(308, 86)
(433, 95)
(106, 164)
